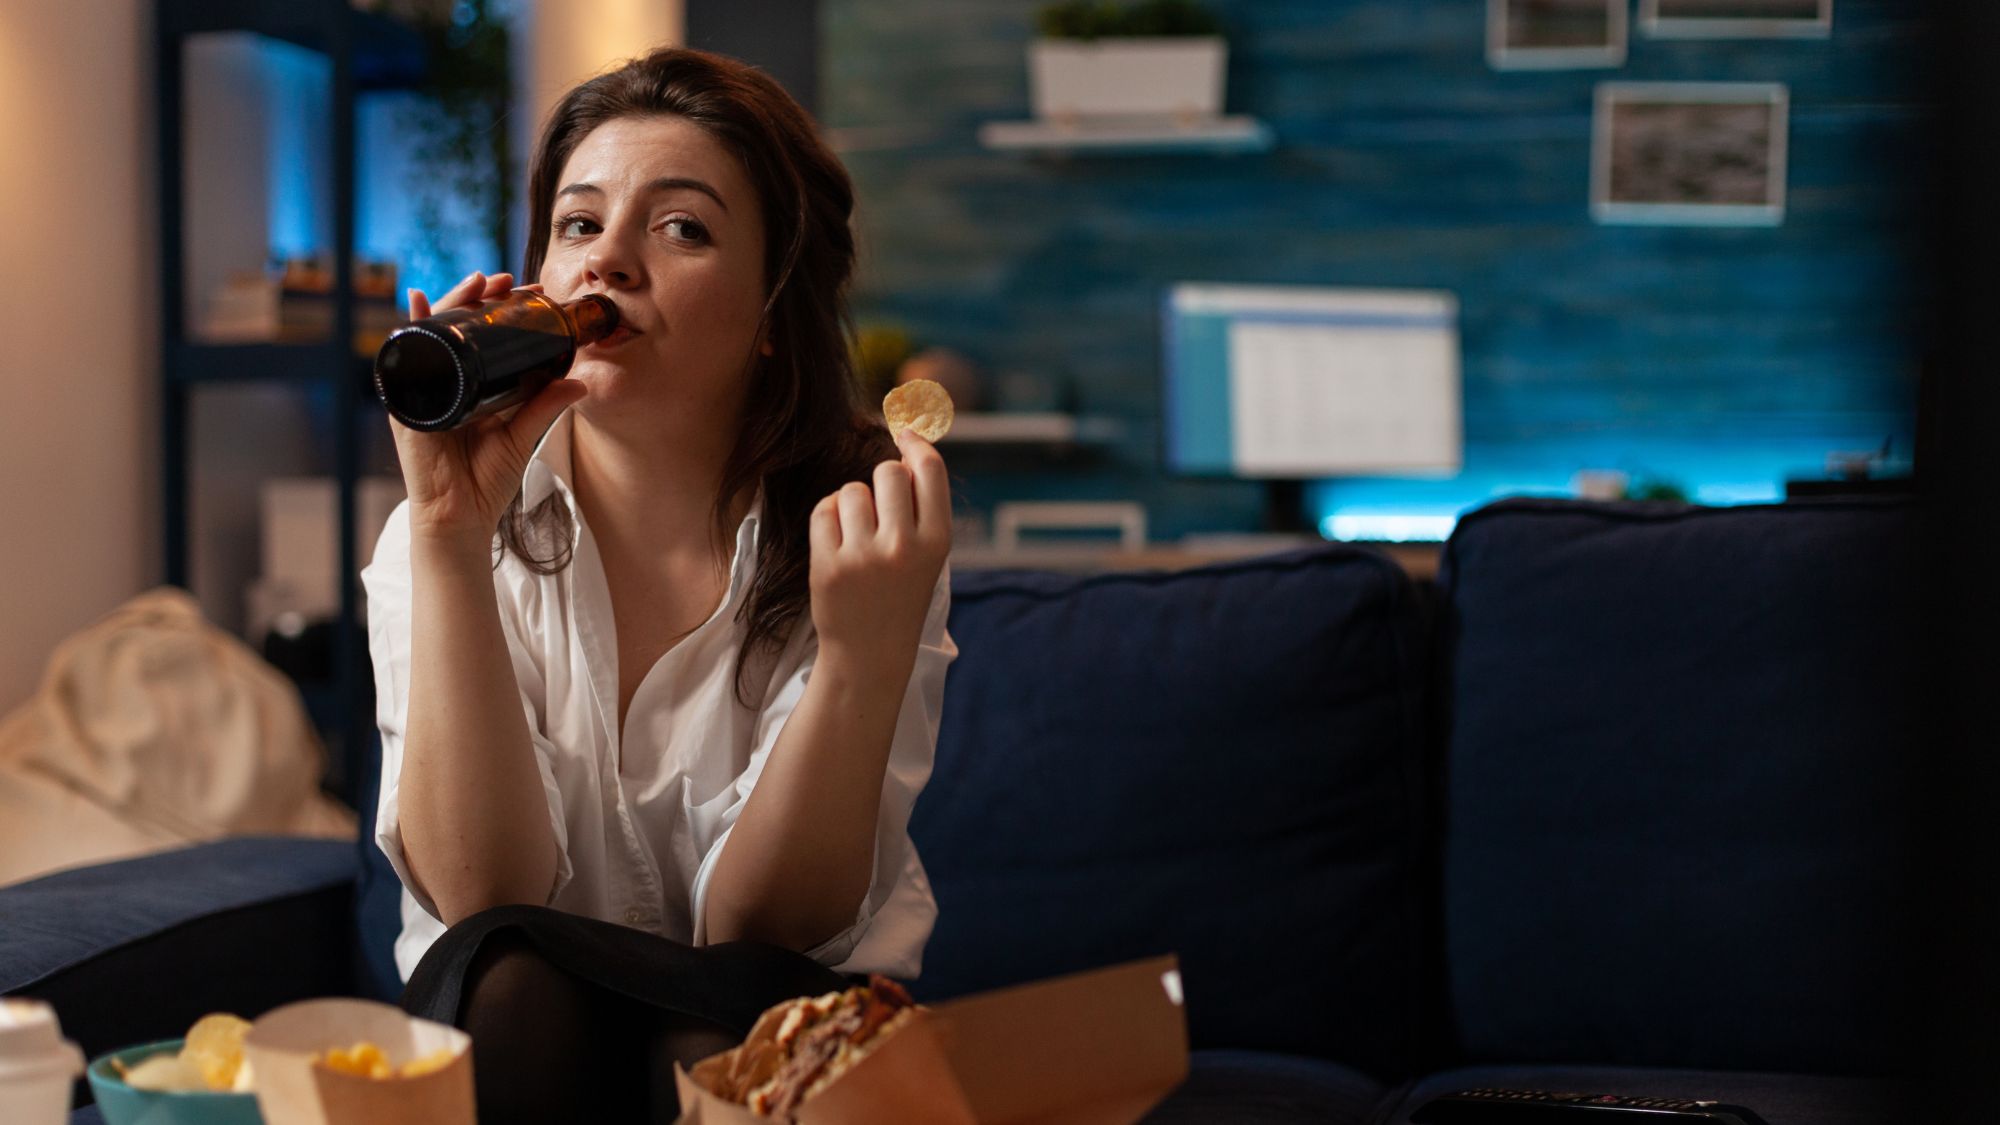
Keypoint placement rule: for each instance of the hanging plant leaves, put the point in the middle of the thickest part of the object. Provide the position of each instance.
(463, 182)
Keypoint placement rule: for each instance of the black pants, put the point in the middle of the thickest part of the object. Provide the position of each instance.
(573, 1019)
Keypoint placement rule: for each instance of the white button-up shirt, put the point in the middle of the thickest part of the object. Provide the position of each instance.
(639, 845)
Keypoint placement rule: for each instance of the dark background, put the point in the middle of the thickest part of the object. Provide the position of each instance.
(1957, 901)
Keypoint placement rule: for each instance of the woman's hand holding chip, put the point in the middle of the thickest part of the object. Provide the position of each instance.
(876, 556)
(799, 859)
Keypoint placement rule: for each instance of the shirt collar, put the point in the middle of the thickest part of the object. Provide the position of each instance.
(551, 471)
(549, 468)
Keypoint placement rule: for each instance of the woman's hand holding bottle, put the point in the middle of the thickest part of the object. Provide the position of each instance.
(461, 480)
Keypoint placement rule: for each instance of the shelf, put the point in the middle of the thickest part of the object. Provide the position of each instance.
(384, 54)
(1119, 136)
(242, 363)
(976, 428)
(365, 52)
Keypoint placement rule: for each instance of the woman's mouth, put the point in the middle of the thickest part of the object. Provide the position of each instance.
(616, 337)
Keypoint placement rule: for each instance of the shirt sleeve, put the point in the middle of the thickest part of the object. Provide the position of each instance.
(896, 915)
(387, 584)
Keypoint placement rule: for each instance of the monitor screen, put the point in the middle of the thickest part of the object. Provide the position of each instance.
(1297, 382)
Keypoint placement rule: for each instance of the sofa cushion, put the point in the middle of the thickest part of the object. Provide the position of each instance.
(1220, 763)
(1780, 1099)
(139, 949)
(1258, 1088)
(1675, 827)
(378, 890)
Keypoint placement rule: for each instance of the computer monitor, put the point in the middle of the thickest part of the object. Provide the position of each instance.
(1293, 383)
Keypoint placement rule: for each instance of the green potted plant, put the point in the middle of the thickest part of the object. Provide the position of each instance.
(1150, 59)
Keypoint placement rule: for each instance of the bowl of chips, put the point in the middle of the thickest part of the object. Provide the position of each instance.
(200, 1079)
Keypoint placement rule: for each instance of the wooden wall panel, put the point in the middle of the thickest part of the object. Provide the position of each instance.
(1720, 358)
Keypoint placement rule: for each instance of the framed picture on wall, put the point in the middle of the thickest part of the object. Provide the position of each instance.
(1689, 153)
(1555, 34)
(1737, 19)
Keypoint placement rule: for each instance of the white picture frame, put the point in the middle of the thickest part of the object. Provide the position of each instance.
(1736, 19)
(1556, 34)
(1689, 153)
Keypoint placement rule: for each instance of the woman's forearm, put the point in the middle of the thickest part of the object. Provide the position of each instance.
(800, 858)
(475, 824)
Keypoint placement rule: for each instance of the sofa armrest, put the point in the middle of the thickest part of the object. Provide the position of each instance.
(139, 949)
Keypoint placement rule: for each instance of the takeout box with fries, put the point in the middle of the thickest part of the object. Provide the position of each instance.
(357, 1062)
(1093, 1048)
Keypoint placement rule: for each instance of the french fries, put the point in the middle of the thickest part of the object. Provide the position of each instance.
(366, 1060)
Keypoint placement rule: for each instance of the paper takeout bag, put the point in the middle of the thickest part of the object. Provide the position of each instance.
(282, 1044)
(1094, 1048)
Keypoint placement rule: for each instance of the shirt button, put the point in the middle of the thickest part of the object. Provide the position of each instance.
(633, 917)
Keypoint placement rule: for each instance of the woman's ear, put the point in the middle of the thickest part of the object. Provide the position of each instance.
(765, 349)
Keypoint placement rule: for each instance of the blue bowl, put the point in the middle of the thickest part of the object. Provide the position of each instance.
(123, 1105)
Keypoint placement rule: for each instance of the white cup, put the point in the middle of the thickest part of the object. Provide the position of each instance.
(37, 1064)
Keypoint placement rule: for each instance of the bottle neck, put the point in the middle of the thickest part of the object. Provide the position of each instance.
(592, 317)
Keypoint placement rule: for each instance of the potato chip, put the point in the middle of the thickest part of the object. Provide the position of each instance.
(214, 1047)
(166, 1072)
(920, 406)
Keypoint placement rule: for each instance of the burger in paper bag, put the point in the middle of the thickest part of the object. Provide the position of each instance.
(799, 1047)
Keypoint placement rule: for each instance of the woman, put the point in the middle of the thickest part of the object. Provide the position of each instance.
(660, 656)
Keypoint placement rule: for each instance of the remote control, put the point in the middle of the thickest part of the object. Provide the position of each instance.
(1546, 1107)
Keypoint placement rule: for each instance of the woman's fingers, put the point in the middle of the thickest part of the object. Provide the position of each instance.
(895, 503)
(476, 287)
(475, 282)
(930, 483)
(420, 305)
(857, 513)
(823, 530)
(534, 417)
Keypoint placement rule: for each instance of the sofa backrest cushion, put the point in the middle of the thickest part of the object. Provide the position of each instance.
(1219, 763)
(1674, 831)
(378, 906)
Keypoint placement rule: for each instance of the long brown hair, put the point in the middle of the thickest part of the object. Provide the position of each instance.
(803, 433)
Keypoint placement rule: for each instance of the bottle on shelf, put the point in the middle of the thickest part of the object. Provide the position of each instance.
(445, 370)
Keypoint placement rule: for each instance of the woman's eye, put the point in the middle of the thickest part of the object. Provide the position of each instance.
(574, 226)
(684, 229)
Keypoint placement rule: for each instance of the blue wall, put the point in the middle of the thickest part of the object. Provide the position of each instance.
(1721, 359)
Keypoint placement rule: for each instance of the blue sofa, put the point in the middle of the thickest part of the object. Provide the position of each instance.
(1616, 803)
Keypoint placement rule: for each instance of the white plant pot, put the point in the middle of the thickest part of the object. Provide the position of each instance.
(1138, 77)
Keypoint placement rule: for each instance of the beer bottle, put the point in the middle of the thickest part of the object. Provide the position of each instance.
(445, 370)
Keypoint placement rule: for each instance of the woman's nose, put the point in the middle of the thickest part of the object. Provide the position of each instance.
(609, 264)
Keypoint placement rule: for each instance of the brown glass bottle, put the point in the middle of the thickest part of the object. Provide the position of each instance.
(445, 370)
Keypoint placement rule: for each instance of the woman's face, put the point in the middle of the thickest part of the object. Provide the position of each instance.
(655, 214)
